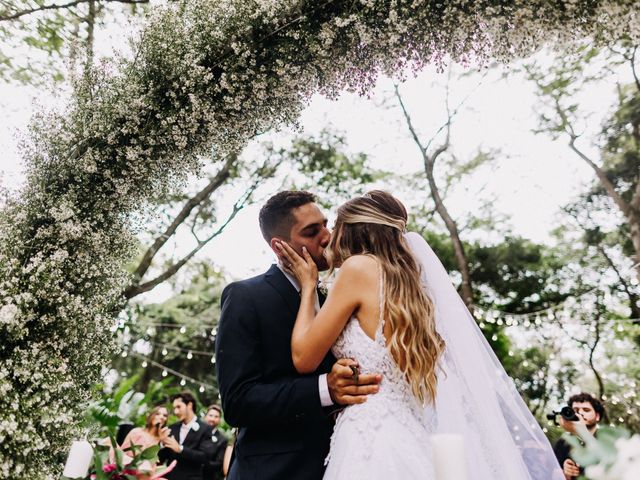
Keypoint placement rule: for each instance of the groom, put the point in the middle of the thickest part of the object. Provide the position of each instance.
(284, 426)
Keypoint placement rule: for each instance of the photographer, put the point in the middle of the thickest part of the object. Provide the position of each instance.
(589, 411)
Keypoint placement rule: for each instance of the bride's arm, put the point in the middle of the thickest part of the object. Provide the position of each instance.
(314, 334)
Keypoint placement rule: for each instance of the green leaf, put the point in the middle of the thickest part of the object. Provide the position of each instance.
(150, 453)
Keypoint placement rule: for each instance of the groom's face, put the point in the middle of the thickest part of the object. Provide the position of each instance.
(310, 230)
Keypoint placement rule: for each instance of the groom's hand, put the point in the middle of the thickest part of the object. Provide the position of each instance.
(346, 388)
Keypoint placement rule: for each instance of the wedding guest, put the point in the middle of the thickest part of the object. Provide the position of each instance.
(590, 411)
(213, 468)
(228, 453)
(148, 435)
(188, 441)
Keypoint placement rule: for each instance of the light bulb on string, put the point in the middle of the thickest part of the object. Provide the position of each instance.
(201, 389)
(145, 364)
(183, 382)
(164, 373)
(189, 355)
(124, 354)
(214, 332)
(213, 359)
(164, 352)
(183, 329)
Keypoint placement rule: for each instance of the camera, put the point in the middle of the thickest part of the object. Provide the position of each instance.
(566, 412)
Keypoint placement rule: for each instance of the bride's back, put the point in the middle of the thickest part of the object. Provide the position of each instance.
(368, 313)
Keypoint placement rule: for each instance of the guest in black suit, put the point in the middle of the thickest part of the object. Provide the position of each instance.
(284, 426)
(213, 468)
(188, 441)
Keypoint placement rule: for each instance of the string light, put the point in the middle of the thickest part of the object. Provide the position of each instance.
(174, 325)
(190, 353)
(166, 370)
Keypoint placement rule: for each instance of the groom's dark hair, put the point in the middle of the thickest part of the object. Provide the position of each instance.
(276, 216)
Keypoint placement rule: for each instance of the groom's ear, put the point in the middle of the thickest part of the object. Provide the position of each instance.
(272, 244)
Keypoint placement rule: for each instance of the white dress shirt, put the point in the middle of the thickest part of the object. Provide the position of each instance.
(184, 429)
(323, 386)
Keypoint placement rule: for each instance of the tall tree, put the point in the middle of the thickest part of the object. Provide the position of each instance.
(617, 163)
(430, 155)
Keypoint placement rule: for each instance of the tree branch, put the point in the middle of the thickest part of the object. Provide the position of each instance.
(216, 182)
(59, 6)
(429, 163)
(633, 298)
(602, 177)
(135, 290)
(633, 66)
(243, 201)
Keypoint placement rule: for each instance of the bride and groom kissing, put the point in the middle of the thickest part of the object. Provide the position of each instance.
(392, 348)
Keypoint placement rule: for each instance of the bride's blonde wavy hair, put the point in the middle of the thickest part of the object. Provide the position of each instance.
(374, 225)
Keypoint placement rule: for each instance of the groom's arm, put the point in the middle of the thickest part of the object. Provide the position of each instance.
(247, 399)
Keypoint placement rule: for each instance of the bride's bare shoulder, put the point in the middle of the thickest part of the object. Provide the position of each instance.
(360, 265)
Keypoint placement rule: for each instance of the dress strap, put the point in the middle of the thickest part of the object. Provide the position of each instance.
(381, 306)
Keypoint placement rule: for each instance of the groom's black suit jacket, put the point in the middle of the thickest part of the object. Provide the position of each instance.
(283, 430)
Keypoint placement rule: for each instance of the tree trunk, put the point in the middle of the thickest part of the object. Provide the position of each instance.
(458, 248)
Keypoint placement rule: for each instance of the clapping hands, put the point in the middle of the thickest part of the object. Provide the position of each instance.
(169, 441)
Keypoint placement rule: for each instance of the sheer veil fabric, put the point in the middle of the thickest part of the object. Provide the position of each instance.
(475, 396)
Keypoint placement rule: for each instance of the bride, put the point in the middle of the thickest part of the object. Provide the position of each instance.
(393, 309)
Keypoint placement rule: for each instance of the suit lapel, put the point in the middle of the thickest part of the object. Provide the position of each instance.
(282, 285)
(190, 435)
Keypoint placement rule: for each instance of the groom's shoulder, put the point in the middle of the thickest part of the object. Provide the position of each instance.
(247, 285)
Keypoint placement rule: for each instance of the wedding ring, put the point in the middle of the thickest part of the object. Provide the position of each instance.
(356, 373)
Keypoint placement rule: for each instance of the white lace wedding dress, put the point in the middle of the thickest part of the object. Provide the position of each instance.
(386, 437)
(389, 436)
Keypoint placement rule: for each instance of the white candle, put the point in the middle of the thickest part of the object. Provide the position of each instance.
(449, 459)
(79, 460)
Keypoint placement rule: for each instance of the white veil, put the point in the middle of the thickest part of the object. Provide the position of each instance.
(475, 397)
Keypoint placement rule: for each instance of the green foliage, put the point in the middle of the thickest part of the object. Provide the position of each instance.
(171, 330)
(327, 168)
(125, 405)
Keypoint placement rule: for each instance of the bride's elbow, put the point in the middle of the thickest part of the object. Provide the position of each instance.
(302, 364)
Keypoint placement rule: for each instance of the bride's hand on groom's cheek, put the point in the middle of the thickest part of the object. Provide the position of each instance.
(346, 388)
(302, 267)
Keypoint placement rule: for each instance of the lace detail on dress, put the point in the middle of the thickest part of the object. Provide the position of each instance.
(393, 403)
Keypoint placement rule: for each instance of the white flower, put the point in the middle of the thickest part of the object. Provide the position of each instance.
(8, 313)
